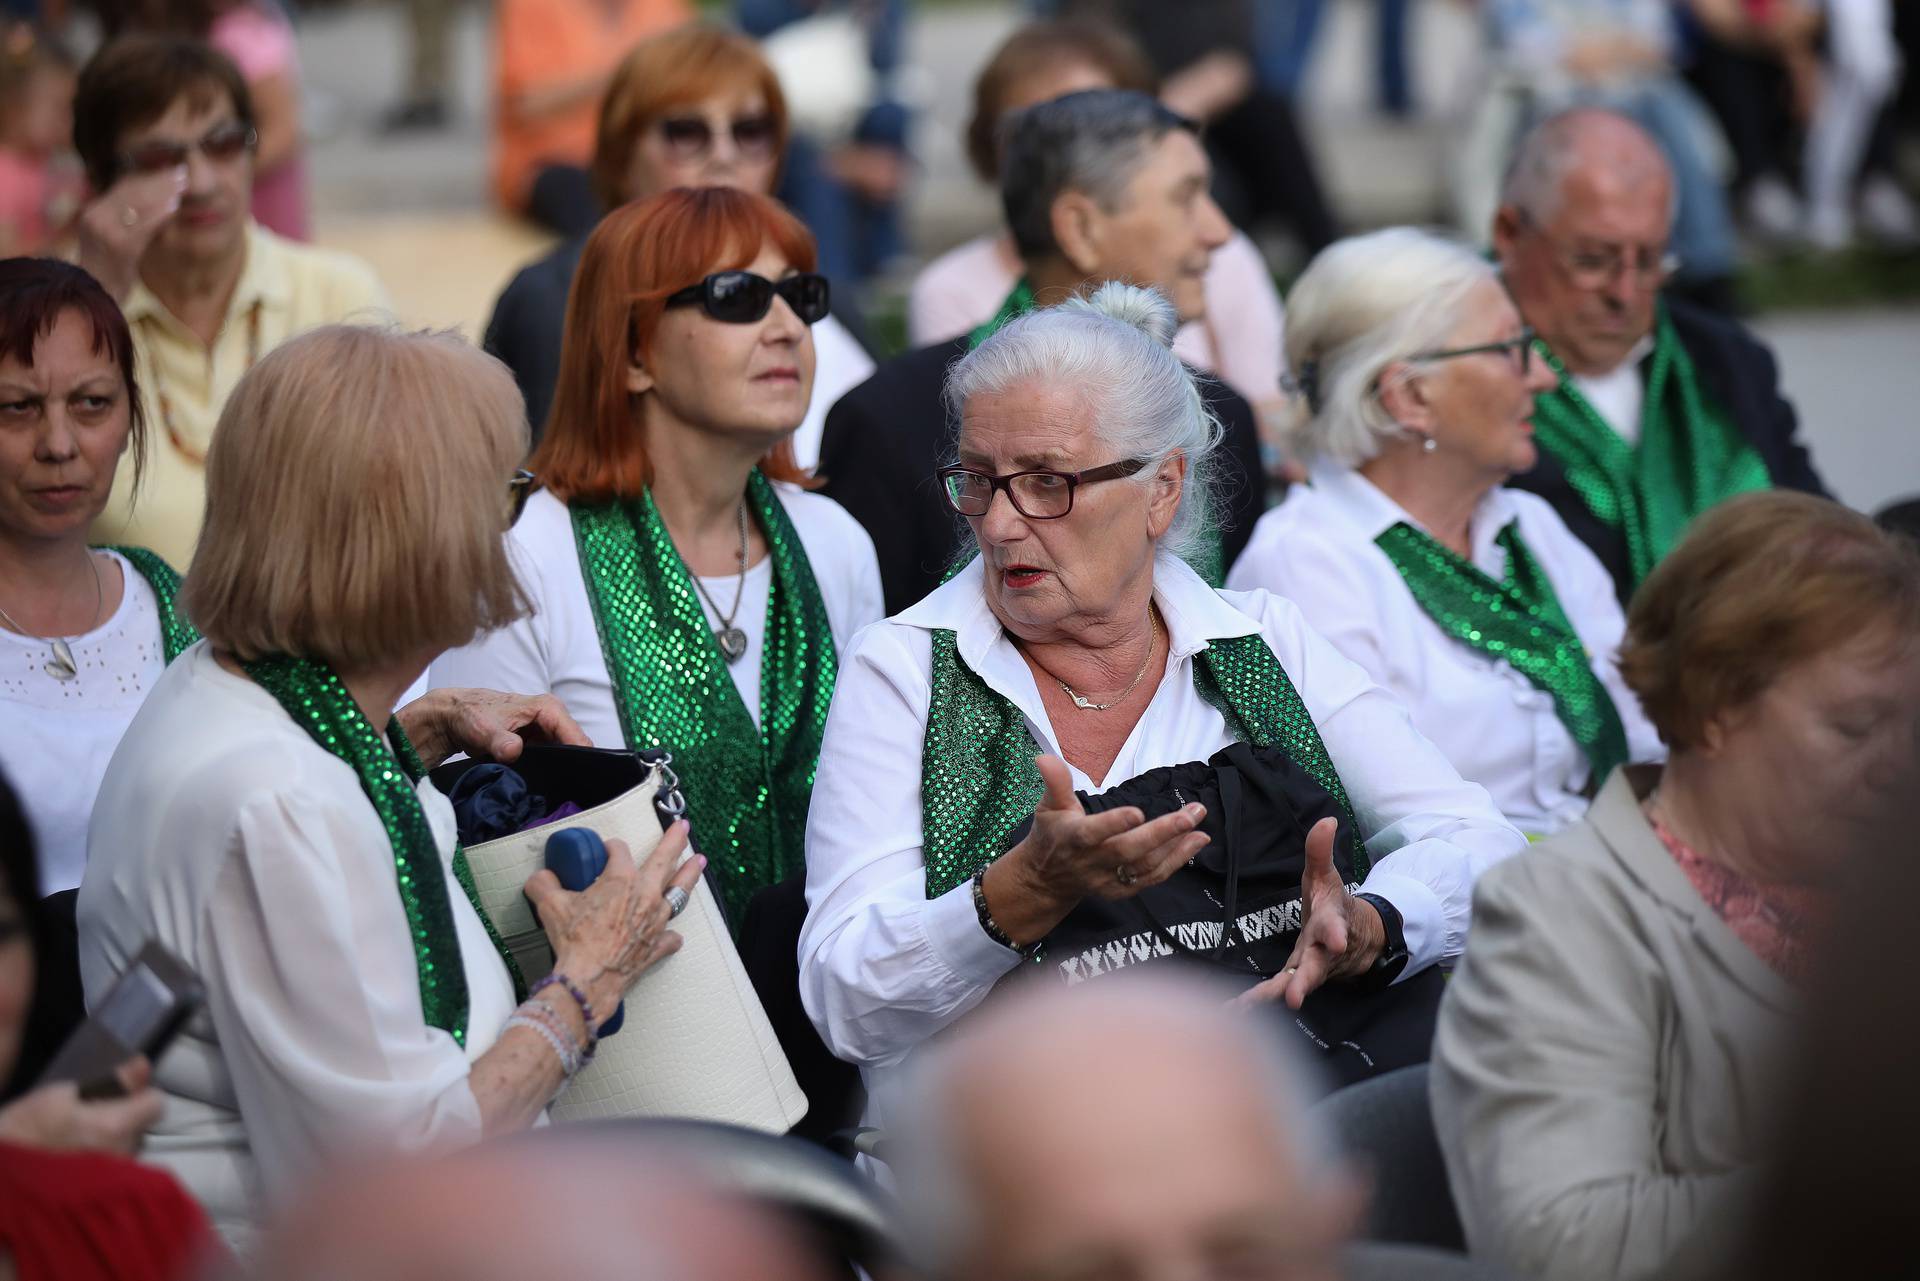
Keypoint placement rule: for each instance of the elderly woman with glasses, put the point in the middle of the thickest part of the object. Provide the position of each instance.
(1076, 654)
(688, 591)
(1473, 603)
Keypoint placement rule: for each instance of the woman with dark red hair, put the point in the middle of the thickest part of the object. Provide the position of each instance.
(687, 590)
(84, 632)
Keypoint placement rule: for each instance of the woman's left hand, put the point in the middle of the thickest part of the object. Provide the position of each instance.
(485, 724)
(1340, 935)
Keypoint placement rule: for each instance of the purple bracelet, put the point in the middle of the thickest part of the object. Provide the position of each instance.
(557, 979)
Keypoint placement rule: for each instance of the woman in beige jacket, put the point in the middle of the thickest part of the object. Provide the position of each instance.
(1604, 1076)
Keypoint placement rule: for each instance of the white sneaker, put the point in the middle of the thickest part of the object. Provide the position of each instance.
(1772, 211)
(1887, 213)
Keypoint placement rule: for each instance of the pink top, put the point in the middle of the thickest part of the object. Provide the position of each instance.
(37, 201)
(1777, 921)
(260, 43)
(1239, 339)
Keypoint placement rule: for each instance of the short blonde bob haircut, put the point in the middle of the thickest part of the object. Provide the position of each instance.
(1759, 584)
(1363, 304)
(357, 501)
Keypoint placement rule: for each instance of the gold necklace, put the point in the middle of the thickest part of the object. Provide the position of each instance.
(1086, 704)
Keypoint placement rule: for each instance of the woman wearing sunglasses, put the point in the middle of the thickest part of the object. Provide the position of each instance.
(1471, 601)
(696, 107)
(687, 591)
(167, 130)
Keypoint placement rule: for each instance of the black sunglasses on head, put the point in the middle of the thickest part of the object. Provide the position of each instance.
(741, 297)
(222, 143)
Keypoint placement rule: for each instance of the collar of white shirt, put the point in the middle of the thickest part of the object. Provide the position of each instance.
(1195, 614)
(1619, 395)
(1367, 508)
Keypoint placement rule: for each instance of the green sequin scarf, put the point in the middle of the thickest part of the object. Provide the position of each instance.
(1209, 559)
(319, 703)
(1518, 621)
(1690, 455)
(979, 780)
(176, 633)
(747, 789)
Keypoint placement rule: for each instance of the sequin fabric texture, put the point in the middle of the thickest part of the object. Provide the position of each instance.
(1518, 621)
(746, 789)
(1690, 455)
(176, 633)
(978, 779)
(313, 696)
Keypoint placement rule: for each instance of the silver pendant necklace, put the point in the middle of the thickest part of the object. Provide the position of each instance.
(1086, 704)
(61, 666)
(731, 640)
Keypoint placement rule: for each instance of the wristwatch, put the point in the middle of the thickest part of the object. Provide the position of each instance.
(1393, 956)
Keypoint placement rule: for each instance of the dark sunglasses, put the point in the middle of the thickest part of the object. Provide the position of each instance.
(1519, 350)
(221, 143)
(1037, 495)
(741, 298)
(690, 136)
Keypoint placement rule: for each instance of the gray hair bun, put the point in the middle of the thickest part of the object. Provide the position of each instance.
(1146, 310)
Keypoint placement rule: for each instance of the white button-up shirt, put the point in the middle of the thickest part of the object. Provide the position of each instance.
(883, 967)
(1493, 724)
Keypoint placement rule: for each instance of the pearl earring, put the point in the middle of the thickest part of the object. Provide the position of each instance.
(1429, 444)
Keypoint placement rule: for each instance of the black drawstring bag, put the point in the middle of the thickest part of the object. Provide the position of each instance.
(1235, 907)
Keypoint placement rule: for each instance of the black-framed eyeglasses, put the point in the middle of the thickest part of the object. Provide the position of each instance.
(1037, 495)
(222, 143)
(1518, 349)
(519, 489)
(743, 298)
(689, 137)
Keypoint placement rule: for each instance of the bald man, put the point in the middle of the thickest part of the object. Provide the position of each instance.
(1663, 409)
(1137, 1127)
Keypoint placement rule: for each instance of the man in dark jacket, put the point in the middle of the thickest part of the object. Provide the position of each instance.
(1663, 409)
(1097, 186)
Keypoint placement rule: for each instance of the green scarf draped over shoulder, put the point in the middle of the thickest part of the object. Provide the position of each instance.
(747, 787)
(979, 780)
(176, 633)
(1690, 455)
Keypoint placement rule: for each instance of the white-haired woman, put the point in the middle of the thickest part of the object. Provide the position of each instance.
(1472, 602)
(1078, 637)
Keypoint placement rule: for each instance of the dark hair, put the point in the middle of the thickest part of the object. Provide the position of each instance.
(19, 873)
(1045, 46)
(1091, 142)
(133, 81)
(35, 293)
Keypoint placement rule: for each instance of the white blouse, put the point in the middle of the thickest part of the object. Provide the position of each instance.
(226, 833)
(1493, 724)
(883, 968)
(58, 735)
(556, 649)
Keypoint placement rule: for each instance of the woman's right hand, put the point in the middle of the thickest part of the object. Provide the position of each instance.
(55, 1116)
(116, 227)
(606, 936)
(1070, 854)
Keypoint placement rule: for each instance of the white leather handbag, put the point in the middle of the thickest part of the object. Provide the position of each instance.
(695, 1042)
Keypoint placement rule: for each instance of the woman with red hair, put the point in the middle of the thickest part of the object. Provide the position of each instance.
(688, 592)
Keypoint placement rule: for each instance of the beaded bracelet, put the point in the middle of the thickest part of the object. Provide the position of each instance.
(534, 1007)
(569, 1061)
(557, 979)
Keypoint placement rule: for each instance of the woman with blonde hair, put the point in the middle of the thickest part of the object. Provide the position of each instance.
(267, 818)
(687, 589)
(1470, 601)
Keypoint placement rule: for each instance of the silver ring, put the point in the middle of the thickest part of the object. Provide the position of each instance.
(128, 216)
(677, 900)
(1125, 875)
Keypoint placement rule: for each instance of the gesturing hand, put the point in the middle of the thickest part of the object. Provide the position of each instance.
(1340, 935)
(1070, 854)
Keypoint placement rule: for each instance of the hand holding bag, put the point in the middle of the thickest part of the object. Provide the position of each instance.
(696, 1042)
